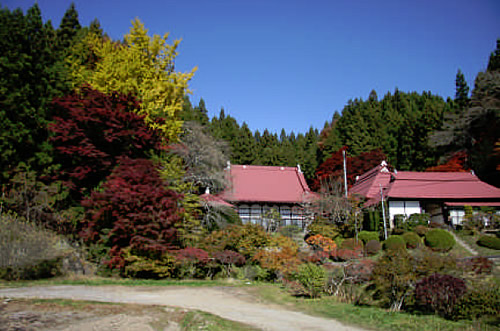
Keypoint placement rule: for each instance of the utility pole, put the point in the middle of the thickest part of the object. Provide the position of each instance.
(345, 174)
(383, 211)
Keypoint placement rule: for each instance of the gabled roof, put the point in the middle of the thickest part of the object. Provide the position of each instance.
(368, 185)
(215, 200)
(456, 186)
(266, 184)
(440, 185)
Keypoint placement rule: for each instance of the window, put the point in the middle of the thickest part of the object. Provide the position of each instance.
(244, 213)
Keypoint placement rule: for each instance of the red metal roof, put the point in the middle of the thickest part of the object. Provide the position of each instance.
(472, 204)
(368, 184)
(459, 186)
(215, 200)
(440, 185)
(267, 184)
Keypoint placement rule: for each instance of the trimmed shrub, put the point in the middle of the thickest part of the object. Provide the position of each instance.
(312, 278)
(372, 247)
(489, 242)
(479, 301)
(439, 293)
(366, 236)
(352, 244)
(439, 240)
(418, 219)
(393, 243)
(421, 230)
(412, 240)
(399, 220)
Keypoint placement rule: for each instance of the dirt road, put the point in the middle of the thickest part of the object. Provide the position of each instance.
(227, 302)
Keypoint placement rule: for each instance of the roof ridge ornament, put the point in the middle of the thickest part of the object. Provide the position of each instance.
(298, 168)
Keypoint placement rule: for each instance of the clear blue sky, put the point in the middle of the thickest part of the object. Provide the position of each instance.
(291, 64)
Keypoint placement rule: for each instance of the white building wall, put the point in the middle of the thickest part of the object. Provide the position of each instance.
(403, 208)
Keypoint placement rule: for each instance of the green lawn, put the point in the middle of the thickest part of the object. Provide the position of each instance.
(372, 318)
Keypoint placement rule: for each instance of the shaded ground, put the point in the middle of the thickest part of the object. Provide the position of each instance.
(23, 314)
(228, 302)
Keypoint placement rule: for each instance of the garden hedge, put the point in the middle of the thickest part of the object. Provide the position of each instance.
(366, 236)
(394, 242)
(439, 240)
(412, 240)
(489, 242)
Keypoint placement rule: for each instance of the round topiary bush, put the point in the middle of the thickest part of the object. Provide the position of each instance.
(394, 242)
(439, 240)
(489, 242)
(412, 240)
(421, 230)
(372, 247)
(366, 236)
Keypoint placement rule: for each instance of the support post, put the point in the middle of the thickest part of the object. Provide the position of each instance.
(345, 174)
(383, 211)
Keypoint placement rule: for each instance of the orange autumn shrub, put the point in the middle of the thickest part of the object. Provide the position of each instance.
(323, 243)
(280, 256)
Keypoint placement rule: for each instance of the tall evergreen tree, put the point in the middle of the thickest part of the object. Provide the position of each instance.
(30, 75)
(69, 28)
(462, 92)
(494, 61)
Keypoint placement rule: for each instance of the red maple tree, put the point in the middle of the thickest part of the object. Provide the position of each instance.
(133, 209)
(456, 163)
(91, 130)
(333, 167)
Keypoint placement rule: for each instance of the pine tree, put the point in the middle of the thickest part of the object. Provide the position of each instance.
(244, 151)
(494, 61)
(462, 92)
(31, 76)
(69, 28)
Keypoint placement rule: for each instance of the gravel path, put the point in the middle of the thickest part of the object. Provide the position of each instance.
(221, 301)
(463, 244)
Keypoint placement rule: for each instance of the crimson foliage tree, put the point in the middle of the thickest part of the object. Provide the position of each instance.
(333, 167)
(438, 293)
(133, 210)
(456, 163)
(91, 130)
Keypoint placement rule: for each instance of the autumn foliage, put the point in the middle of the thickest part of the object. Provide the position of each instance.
(457, 163)
(91, 130)
(333, 167)
(133, 210)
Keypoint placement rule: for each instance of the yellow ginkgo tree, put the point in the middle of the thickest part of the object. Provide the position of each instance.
(141, 65)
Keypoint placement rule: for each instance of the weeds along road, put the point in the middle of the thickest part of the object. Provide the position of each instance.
(230, 303)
